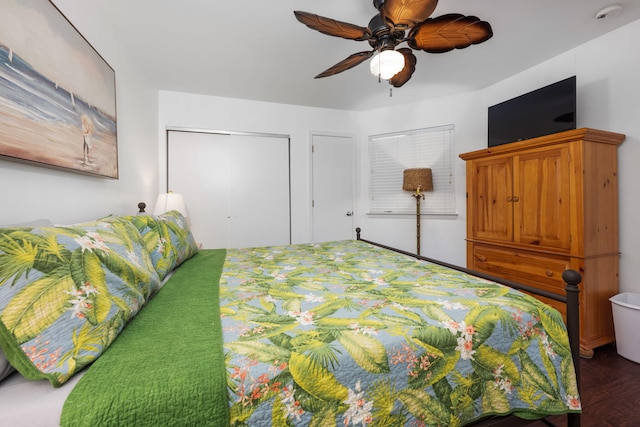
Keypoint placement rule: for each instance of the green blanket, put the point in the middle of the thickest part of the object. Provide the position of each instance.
(131, 383)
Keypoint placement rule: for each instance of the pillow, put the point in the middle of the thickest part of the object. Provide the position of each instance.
(152, 234)
(66, 293)
(167, 237)
(180, 243)
(5, 366)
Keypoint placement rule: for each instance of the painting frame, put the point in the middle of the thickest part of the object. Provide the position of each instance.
(57, 93)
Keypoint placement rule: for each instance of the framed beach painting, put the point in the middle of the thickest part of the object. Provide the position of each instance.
(57, 94)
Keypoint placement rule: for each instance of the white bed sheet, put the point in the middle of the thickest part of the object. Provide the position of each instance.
(32, 403)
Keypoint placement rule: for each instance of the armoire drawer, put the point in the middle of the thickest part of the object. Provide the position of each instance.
(524, 267)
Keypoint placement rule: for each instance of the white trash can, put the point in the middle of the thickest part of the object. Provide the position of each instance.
(626, 321)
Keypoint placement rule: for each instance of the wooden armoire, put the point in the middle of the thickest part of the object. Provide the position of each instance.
(540, 206)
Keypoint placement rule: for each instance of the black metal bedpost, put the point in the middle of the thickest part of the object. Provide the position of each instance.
(358, 233)
(572, 278)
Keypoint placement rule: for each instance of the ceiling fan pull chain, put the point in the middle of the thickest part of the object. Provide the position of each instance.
(391, 92)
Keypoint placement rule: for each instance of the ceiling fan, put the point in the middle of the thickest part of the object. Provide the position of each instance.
(400, 21)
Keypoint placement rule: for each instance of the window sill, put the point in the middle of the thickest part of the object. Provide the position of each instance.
(412, 215)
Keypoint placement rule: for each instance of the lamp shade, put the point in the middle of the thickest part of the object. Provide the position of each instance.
(417, 179)
(387, 64)
(169, 202)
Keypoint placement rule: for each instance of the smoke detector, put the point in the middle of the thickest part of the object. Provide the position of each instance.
(609, 11)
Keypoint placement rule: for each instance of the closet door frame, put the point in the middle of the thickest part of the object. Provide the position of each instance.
(232, 133)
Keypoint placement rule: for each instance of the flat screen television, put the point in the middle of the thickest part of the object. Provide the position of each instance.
(543, 111)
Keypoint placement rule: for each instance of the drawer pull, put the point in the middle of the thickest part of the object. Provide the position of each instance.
(481, 258)
(548, 273)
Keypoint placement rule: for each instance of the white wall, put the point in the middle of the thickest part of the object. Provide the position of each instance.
(30, 192)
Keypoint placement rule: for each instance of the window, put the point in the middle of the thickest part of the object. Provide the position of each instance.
(391, 154)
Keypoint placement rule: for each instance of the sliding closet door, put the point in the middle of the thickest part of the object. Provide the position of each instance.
(236, 187)
(198, 168)
(259, 196)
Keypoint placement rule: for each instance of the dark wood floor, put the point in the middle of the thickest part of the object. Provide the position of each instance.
(610, 391)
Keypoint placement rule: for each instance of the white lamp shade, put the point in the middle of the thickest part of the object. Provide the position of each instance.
(387, 64)
(171, 202)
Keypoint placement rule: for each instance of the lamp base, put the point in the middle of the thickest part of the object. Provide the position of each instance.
(419, 196)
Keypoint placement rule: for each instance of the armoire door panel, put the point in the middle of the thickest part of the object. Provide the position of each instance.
(492, 197)
(541, 198)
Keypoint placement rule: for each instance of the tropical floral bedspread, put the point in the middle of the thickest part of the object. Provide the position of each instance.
(345, 333)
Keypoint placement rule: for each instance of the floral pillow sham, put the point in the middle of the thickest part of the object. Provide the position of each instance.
(167, 237)
(181, 245)
(152, 233)
(66, 293)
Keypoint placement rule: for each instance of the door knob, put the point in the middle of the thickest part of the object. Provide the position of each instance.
(349, 213)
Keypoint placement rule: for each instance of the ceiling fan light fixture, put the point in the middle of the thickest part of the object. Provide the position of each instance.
(396, 22)
(387, 64)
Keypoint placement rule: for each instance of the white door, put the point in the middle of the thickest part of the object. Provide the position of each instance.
(236, 187)
(332, 169)
(259, 192)
(198, 168)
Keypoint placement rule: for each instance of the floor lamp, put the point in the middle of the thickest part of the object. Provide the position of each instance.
(417, 180)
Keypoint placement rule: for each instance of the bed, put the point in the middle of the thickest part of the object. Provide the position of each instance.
(347, 332)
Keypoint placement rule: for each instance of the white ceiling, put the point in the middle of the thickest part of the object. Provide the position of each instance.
(257, 50)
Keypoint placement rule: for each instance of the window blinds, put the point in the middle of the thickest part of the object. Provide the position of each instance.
(391, 154)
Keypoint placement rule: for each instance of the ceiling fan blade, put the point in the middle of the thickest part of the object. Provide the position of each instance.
(448, 32)
(409, 67)
(345, 64)
(407, 13)
(332, 27)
